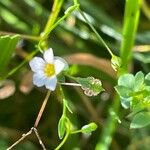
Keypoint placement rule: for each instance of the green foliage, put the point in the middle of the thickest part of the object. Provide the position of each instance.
(71, 36)
(87, 129)
(115, 62)
(7, 47)
(91, 86)
(62, 126)
(140, 120)
(134, 92)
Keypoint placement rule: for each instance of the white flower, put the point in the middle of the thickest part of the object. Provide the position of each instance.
(45, 70)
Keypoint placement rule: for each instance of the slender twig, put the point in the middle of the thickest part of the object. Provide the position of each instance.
(27, 134)
(42, 109)
(39, 138)
(71, 84)
(21, 139)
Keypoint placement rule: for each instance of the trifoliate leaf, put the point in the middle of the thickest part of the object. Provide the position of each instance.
(127, 80)
(123, 91)
(140, 120)
(139, 81)
(115, 62)
(62, 127)
(87, 129)
(90, 85)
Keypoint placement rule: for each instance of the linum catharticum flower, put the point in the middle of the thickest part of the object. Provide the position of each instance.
(45, 70)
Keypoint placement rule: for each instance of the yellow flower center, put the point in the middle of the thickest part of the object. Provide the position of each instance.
(49, 70)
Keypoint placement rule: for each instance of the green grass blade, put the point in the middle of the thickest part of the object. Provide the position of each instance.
(7, 46)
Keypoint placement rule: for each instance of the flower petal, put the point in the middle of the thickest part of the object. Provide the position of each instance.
(39, 79)
(37, 64)
(49, 56)
(51, 83)
(60, 64)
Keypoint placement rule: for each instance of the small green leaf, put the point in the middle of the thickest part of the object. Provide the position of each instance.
(90, 85)
(68, 105)
(147, 79)
(87, 129)
(7, 47)
(115, 62)
(62, 127)
(126, 102)
(127, 80)
(139, 81)
(140, 120)
(123, 91)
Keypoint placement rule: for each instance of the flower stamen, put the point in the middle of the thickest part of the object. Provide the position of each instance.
(49, 70)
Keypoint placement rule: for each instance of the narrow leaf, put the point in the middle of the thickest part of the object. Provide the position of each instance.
(62, 127)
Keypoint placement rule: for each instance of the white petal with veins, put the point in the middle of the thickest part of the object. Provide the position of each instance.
(51, 83)
(39, 79)
(37, 64)
(49, 56)
(60, 64)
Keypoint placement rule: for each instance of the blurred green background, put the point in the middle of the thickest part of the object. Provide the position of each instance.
(74, 41)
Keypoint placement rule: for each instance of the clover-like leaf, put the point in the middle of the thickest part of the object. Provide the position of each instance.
(139, 81)
(127, 80)
(140, 120)
(87, 129)
(90, 85)
(123, 91)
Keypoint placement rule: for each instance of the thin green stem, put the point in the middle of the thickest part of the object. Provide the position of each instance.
(75, 132)
(53, 16)
(100, 39)
(51, 20)
(24, 36)
(48, 30)
(131, 19)
(66, 136)
(21, 64)
(63, 141)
